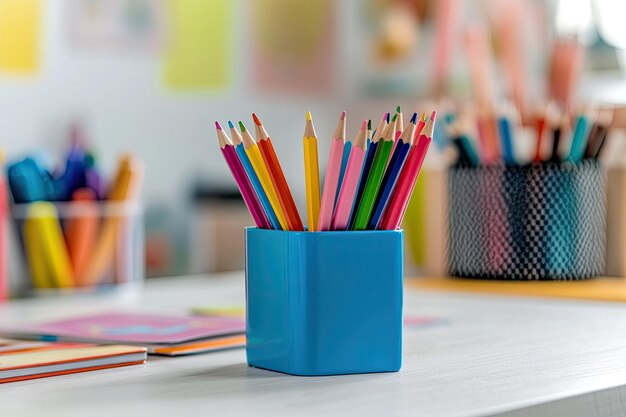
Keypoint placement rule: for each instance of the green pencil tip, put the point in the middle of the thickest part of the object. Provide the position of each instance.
(395, 116)
(241, 126)
(398, 109)
(369, 125)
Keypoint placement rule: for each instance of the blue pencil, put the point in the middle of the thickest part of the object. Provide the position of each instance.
(393, 171)
(367, 165)
(254, 179)
(344, 161)
(579, 139)
(507, 141)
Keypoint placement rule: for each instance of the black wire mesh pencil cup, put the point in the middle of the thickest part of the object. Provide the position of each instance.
(542, 221)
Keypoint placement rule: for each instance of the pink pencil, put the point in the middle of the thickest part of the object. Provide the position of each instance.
(332, 175)
(350, 180)
(394, 214)
(243, 182)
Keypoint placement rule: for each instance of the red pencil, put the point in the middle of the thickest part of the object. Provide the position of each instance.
(243, 182)
(394, 214)
(278, 178)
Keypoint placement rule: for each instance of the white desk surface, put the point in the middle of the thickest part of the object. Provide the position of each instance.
(518, 356)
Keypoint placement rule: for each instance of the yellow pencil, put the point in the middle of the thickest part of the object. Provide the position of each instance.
(34, 252)
(311, 174)
(256, 159)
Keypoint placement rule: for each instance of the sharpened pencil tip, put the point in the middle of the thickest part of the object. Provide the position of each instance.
(414, 118)
(398, 109)
(256, 119)
(241, 126)
(364, 125)
(308, 116)
(369, 125)
(433, 115)
(218, 126)
(395, 116)
(423, 116)
(387, 118)
(231, 125)
(343, 115)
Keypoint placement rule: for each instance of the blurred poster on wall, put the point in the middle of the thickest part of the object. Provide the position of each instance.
(293, 45)
(199, 54)
(118, 24)
(20, 32)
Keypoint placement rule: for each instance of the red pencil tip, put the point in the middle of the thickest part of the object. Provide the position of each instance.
(217, 125)
(343, 115)
(364, 125)
(256, 119)
(433, 115)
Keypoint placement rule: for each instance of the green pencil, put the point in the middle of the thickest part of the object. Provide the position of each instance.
(374, 179)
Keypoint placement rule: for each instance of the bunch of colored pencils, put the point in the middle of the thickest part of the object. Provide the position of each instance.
(558, 137)
(368, 183)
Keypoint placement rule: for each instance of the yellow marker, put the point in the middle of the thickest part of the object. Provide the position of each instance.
(47, 239)
(34, 253)
(311, 174)
(256, 159)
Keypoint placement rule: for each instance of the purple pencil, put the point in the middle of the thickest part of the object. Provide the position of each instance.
(243, 182)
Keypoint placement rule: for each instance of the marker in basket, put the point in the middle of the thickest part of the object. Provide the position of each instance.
(81, 232)
(277, 176)
(311, 174)
(332, 175)
(243, 182)
(256, 159)
(354, 166)
(252, 175)
(403, 144)
(374, 179)
(392, 219)
(367, 165)
(556, 140)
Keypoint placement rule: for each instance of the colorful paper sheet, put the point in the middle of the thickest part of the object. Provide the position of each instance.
(199, 54)
(20, 22)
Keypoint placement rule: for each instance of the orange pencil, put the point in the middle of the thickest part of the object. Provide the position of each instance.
(81, 231)
(125, 187)
(278, 177)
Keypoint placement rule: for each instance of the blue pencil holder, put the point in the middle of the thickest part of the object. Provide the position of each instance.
(324, 303)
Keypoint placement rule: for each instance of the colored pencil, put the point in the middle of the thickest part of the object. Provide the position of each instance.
(392, 219)
(579, 139)
(341, 218)
(556, 140)
(367, 165)
(253, 177)
(311, 174)
(344, 162)
(396, 163)
(4, 211)
(332, 175)
(243, 182)
(506, 140)
(277, 176)
(398, 123)
(374, 179)
(126, 184)
(256, 159)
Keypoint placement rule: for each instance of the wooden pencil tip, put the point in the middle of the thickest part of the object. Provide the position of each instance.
(256, 119)
(387, 118)
(398, 109)
(217, 125)
(364, 125)
(369, 125)
(414, 118)
(230, 124)
(395, 116)
(343, 115)
(242, 127)
(423, 116)
(308, 116)
(433, 115)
